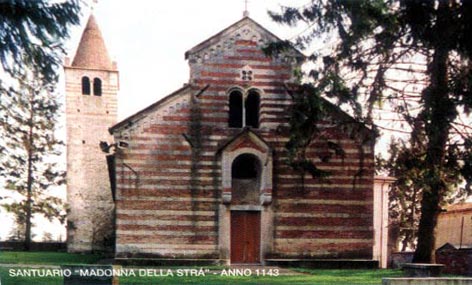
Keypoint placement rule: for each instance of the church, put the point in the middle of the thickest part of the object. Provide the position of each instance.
(202, 174)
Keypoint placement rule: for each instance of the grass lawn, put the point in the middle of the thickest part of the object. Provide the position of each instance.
(6, 279)
(50, 260)
(324, 276)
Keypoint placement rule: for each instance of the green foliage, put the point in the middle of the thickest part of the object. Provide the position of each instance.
(406, 165)
(30, 148)
(307, 111)
(413, 55)
(32, 34)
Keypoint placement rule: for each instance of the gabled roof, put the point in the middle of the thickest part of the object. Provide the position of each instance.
(338, 113)
(148, 109)
(450, 246)
(459, 208)
(244, 21)
(92, 52)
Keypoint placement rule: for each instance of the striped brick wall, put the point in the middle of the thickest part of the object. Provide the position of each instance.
(169, 185)
(163, 205)
(331, 218)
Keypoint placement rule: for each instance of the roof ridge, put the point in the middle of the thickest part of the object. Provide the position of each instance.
(211, 40)
(141, 112)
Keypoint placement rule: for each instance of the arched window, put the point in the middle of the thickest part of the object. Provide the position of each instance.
(244, 109)
(252, 109)
(245, 166)
(85, 85)
(97, 87)
(235, 109)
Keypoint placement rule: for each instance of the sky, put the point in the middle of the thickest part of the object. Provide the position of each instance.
(148, 39)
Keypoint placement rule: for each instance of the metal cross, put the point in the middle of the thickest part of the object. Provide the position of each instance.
(246, 12)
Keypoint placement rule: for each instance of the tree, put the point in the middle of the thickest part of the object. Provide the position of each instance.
(31, 37)
(47, 237)
(31, 42)
(412, 56)
(405, 164)
(29, 121)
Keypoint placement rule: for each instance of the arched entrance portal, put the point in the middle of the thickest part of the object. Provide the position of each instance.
(245, 233)
(245, 225)
(245, 180)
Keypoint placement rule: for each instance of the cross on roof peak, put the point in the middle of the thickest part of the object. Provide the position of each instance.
(94, 3)
(246, 12)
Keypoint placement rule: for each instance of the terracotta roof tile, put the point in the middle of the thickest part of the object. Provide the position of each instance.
(92, 52)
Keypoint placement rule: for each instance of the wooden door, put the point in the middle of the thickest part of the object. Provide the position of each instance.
(245, 237)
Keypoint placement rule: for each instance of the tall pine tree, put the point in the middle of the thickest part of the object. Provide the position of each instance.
(32, 35)
(383, 51)
(29, 161)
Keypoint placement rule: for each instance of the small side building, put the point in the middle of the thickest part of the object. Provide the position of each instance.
(455, 226)
(454, 239)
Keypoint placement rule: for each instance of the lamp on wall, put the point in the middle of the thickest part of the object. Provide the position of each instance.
(105, 147)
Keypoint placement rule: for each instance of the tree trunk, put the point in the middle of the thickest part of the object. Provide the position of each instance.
(29, 183)
(28, 216)
(429, 215)
(439, 112)
(405, 243)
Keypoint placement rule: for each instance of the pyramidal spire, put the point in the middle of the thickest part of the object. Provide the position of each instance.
(92, 52)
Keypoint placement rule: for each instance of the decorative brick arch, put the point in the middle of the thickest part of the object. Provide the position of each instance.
(247, 142)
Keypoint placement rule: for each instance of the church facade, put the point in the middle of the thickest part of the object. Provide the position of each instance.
(202, 174)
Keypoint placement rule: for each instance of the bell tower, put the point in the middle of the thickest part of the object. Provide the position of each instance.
(92, 83)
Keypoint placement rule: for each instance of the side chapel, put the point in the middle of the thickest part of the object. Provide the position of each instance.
(203, 173)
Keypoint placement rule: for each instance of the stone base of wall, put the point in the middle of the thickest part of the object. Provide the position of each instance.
(306, 263)
(397, 259)
(325, 263)
(89, 248)
(426, 281)
(35, 246)
(422, 270)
